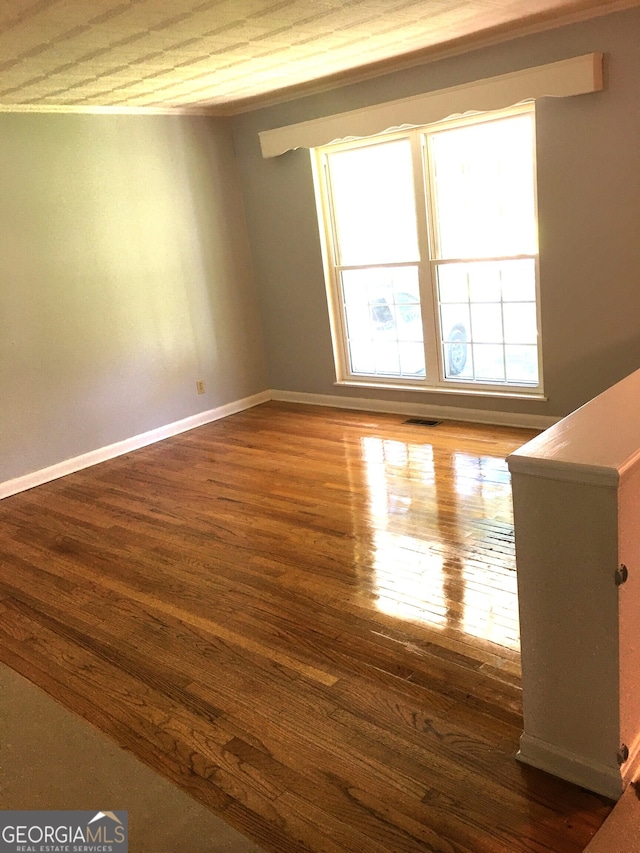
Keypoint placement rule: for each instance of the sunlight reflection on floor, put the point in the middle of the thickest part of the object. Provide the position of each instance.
(443, 538)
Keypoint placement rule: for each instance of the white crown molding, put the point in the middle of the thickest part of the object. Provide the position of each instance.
(86, 460)
(576, 76)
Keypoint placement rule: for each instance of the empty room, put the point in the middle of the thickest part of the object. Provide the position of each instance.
(294, 298)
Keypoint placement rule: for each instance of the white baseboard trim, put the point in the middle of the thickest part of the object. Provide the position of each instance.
(78, 463)
(600, 778)
(452, 413)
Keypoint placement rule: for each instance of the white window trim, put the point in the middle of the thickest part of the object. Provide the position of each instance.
(576, 76)
(434, 381)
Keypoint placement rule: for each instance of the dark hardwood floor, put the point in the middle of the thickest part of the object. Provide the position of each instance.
(304, 617)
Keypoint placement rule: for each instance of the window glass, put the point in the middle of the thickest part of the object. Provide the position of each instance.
(383, 321)
(487, 301)
(373, 204)
(453, 302)
(483, 189)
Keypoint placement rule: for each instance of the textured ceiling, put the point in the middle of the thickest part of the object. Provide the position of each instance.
(223, 56)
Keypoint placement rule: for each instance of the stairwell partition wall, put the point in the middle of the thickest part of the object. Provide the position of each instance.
(427, 216)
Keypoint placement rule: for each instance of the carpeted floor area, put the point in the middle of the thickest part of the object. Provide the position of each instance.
(620, 833)
(52, 759)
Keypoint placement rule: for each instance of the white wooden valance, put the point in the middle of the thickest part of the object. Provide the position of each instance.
(575, 76)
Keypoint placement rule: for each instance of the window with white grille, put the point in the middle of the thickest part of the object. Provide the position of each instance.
(431, 255)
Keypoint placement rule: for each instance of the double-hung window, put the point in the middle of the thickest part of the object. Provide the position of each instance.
(431, 255)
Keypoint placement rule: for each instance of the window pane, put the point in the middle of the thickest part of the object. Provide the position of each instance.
(455, 318)
(384, 321)
(488, 362)
(362, 355)
(488, 281)
(520, 326)
(486, 323)
(484, 189)
(387, 359)
(484, 282)
(522, 364)
(458, 357)
(373, 204)
(411, 355)
(490, 310)
(453, 280)
(518, 280)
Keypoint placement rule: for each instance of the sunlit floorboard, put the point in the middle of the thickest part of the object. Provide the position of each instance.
(307, 619)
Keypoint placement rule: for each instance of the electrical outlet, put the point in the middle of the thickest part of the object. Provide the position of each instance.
(200, 386)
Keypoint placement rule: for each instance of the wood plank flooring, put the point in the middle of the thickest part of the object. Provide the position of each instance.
(307, 619)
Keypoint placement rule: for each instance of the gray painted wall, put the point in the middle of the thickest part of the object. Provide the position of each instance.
(589, 218)
(124, 278)
(125, 271)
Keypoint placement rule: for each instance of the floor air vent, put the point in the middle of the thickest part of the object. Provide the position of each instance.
(422, 422)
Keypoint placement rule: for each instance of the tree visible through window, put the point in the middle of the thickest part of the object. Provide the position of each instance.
(432, 254)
